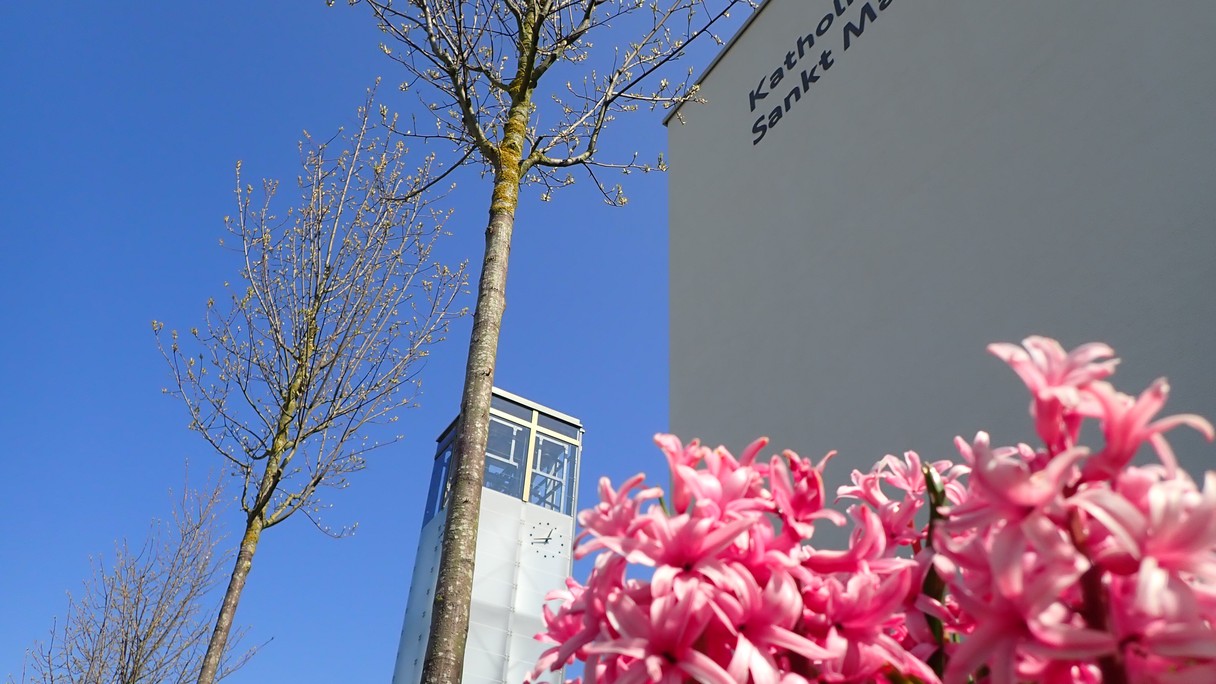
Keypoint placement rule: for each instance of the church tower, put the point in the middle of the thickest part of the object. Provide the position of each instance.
(523, 543)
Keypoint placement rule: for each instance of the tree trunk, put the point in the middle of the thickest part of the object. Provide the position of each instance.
(272, 473)
(444, 663)
(232, 596)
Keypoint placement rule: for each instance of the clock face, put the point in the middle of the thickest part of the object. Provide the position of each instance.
(547, 540)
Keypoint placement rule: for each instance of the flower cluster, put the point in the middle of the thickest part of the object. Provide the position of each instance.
(1049, 564)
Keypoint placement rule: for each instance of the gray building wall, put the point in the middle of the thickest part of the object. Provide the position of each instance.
(964, 172)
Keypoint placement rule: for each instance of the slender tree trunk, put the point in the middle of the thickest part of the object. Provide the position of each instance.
(272, 473)
(444, 663)
(232, 596)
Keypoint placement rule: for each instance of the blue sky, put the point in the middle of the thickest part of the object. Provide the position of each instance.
(123, 124)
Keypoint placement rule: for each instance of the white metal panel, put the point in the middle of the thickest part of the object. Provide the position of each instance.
(511, 577)
(494, 591)
(418, 610)
(533, 586)
(525, 651)
(486, 648)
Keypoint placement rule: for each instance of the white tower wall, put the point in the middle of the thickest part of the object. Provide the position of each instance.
(523, 549)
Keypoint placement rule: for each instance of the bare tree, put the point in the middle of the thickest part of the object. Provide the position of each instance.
(338, 302)
(145, 619)
(483, 64)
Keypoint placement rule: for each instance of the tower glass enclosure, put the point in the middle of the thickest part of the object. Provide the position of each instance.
(524, 540)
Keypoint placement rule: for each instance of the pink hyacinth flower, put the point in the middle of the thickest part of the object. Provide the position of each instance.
(660, 642)
(1127, 423)
(1055, 379)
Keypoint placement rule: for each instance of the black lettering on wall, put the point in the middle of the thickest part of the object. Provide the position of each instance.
(758, 94)
(810, 68)
(809, 77)
(774, 117)
(805, 43)
(824, 24)
(796, 93)
(852, 30)
(759, 129)
(775, 79)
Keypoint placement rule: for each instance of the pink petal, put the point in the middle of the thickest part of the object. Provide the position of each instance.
(704, 669)
(749, 454)
(1191, 420)
(1123, 520)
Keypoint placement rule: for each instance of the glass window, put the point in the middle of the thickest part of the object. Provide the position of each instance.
(439, 483)
(551, 485)
(505, 449)
(507, 406)
(561, 427)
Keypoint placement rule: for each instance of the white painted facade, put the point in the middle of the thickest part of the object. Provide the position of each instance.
(855, 213)
(523, 544)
